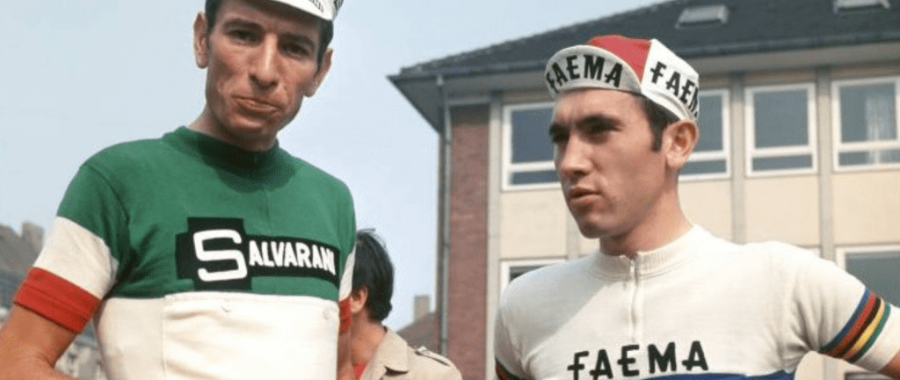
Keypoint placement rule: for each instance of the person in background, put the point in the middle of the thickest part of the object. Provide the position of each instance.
(377, 352)
(208, 253)
(663, 297)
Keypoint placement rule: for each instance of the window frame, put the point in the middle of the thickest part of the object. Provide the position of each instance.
(837, 132)
(509, 264)
(725, 153)
(811, 147)
(507, 166)
(841, 253)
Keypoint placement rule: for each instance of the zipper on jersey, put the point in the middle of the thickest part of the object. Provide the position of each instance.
(636, 300)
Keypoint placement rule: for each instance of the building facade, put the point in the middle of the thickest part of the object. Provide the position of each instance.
(799, 142)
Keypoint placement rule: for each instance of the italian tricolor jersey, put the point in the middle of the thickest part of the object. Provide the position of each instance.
(199, 260)
(697, 308)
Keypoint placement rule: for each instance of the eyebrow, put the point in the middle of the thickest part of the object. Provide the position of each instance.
(241, 22)
(597, 119)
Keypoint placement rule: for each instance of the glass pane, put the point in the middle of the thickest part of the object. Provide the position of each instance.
(529, 178)
(710, 123)
(887, 156)
(516, 271)
(704, 167)
(530, 140)
(868, 113)
(781, 163)
(781, 119)
(879, 272)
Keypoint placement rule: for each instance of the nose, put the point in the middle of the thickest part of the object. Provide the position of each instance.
(265, 68)
(572, 158)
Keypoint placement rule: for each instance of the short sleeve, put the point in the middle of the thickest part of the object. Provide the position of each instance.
(76, 267)
(844, 319)
(507, 363)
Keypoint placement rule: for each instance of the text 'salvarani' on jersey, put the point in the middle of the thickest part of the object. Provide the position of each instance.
(218, 255)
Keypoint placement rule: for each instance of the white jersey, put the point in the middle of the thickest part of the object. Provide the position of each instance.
(697, 306)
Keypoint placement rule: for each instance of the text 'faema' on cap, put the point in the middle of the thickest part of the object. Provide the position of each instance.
(633, 65)
(323, 9)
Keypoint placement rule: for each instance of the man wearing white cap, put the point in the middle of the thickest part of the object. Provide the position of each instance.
(663, 297)
(208, 253)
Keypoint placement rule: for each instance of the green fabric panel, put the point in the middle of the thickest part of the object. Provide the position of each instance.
(139, 196)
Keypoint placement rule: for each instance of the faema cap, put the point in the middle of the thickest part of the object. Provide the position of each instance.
(323, 9)
(644, 67)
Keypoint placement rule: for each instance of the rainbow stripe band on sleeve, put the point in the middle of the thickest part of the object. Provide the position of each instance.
(861, 331)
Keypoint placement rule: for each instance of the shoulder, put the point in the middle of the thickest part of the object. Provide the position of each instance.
(126, 155)
(547, 281)
(425, 364)
(315, 176)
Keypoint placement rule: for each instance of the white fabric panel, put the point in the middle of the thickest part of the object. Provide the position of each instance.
(77, 255)
(219, 335)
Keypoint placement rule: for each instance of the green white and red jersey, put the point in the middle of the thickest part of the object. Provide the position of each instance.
(199, 260)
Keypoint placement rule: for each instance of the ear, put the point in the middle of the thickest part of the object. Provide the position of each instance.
(320, 74)
(681, 137)
(201, 41)
(358, 300)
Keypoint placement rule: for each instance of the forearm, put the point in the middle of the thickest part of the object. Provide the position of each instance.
(30, 346)
(892, 369)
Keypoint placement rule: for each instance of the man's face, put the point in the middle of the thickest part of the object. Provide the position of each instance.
(611, 178)
(260, 58)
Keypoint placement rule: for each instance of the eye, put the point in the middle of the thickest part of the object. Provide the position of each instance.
(296, 49)
(558, 135)
(243, 35)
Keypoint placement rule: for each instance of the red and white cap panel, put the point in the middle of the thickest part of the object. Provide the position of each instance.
(638, 66)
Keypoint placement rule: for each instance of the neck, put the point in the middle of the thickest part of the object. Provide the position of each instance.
(660, 226)
(209, 125)
(367, 335)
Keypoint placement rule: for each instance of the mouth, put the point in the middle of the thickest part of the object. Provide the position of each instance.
(580, 197)
(256, 106)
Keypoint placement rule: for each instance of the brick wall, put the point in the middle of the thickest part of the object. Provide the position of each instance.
(468, 240)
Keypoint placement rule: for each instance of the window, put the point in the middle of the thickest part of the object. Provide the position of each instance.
(512, 269)
(710, 158)
(876, 267)
(528, 151)
(866, 124)
(781, 130)
(703, 15)
(854, 5)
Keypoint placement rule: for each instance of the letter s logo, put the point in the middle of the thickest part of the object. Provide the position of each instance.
(219, 255)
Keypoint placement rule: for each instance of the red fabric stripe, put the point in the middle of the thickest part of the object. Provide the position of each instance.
(346, 315)
(57, 299)
(632, 50)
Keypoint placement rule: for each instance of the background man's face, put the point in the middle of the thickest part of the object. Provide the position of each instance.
(610, 176)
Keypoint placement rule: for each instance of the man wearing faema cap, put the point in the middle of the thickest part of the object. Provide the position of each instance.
(208, 253)
(663, 297)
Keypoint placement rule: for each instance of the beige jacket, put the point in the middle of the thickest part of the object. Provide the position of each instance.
(394, 359)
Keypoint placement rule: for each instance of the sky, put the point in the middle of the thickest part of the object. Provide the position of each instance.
(76, 77)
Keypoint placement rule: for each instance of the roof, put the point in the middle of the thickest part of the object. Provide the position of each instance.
(16, 252)
(753, 26)
(421, 332)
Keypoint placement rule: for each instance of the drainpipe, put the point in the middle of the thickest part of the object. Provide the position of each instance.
(443, 251)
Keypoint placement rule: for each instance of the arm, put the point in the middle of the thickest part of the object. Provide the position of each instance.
(345, 365)
(892, 369)
(30, 345)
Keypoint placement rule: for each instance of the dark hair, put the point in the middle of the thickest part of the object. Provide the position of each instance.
(658, 117)
(374, 271)
(326, 28)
